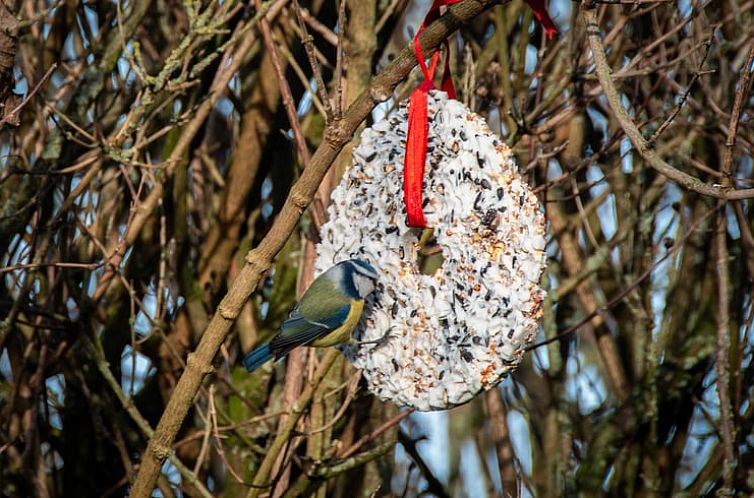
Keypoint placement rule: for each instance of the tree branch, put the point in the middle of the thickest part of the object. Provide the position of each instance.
(259, 260)
(603, 71)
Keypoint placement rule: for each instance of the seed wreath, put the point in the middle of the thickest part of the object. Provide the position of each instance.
(435, 341)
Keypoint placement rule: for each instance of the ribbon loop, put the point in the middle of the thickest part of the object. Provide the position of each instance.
(418, 124)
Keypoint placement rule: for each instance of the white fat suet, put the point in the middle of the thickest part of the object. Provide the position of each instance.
(455, 333)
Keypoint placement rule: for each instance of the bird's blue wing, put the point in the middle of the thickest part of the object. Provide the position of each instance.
(299, 331)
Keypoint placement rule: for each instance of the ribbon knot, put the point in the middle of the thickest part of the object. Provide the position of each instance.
(418, 123)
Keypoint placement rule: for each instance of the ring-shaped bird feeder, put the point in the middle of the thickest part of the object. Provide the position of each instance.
(435, 341)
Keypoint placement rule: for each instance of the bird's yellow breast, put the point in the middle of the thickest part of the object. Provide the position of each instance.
(342, 334)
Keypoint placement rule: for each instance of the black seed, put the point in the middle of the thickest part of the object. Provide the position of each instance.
(488, 296)
(506, 301)
(486, 183)
(394, 310)
(513, 263)
(489, 218)
(371, 156)
(510, 333)
(395, 364)
(467, 357)
(479, 161)
(414, 313)
(391, 229)
(500, 193)
(502, 209)
(463, 135)
(476, 340)
(442, 374)
(425, 202)
(507, 313)
(444, 323)
(521, 200)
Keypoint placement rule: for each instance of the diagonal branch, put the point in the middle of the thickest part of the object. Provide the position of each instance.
(259, 260)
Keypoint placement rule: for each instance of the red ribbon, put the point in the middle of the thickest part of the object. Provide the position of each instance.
(418, 124)
(542, 17)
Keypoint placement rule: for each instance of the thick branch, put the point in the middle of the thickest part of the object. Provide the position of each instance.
(258, 261)
(727, 428)
(506, 455)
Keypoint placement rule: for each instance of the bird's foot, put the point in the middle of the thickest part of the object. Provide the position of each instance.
(377, 342)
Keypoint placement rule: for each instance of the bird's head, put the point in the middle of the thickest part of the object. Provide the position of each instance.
(362, 275)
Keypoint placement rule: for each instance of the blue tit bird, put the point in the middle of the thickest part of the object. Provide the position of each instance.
(325, 316)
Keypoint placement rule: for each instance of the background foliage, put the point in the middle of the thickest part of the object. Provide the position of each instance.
(147, 146)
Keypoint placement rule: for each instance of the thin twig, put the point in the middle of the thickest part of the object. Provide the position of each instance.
(34, 266)
(315, 94)
(320, 28)
(392, 6)
(339, 69)
(434, 486)
(352, 388)
(685, 95)
(308, 42)
(212, 412)
(206, 433)
(384, 427)
(12, 116)
(738, 104)
(285, 91)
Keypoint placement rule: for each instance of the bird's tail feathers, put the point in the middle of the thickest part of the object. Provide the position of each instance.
(257, 358)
